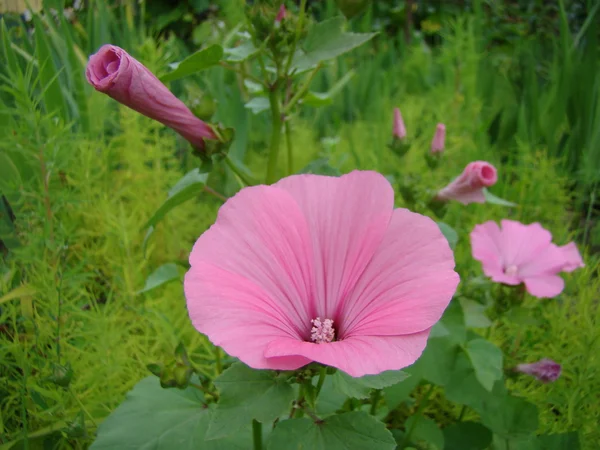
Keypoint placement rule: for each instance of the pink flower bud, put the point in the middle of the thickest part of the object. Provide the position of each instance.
(281, 14)
(114, 72)
(437, 144)
(399, 128)
(545, 370)
(468, 187)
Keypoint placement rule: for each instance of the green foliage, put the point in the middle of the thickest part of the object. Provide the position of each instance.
(361, 387)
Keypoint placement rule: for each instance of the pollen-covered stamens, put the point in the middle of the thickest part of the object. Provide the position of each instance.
(511, 270)
(322, 330)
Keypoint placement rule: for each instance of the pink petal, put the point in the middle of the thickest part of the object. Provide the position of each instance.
(523, 243)
(572, 257)
(545, 286)
(253, 270)
(486, 247)
(357, 355)
(407, 285)
(348, 218)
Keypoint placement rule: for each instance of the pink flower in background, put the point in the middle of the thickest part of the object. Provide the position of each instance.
(114, 72)
(545, 370)
(317, 268)
(437, 144)
(281, 14)
(399, 129)
(518, 253)
(468, 187)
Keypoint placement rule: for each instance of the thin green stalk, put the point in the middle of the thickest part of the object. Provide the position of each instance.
(461, 415)
(375, 402)
(290, 149)
(83, 408)
(420, 409)
(298, 402)
(235, 169)
(257, 434)
(299, 26)
(322, 375)
(302, 90)
(243, 73)
(275, 134)
(218, 360)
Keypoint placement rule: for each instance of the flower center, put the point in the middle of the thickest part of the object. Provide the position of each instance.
(322, 330)
(511, 270)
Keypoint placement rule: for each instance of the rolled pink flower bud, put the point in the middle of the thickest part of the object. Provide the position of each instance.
(281, 14)
(468, 187)
(114, 72)
(399, 128)
(437, 144)
(545, 370)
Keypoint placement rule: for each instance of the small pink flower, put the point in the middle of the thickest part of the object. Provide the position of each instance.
(399, 129)
(468, 187)
(545, 370)
(437, 144)
(518, 253)
(114, 72)
(281, 14)
(317, 268)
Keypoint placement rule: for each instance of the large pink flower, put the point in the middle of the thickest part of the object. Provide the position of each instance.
(518, 253)
(468, 186)
(114, 72)
(324, 269)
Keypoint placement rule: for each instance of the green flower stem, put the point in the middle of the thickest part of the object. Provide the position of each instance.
(299, 26)
(375, 401)
(257, 434)
(322, 375)
(420, 409)
(245, 180)
(298, 402)
(302, 91)
(275, 134)
(461, 415)
(290, 149)
(218, 364)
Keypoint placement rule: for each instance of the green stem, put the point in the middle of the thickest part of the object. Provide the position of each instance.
(375, 401)
(257, 434)
(83, 408)
(299, 25)
(242, 72)
(290, 149)
(302, 90)
(275, 134)
(298, 402)
(463, 410)
(243, 178)
(218, 360)
(322, 375)
(420, 409)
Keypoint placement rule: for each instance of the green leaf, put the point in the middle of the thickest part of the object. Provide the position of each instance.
(330, 399)
(241, 52)
(328, 40)
(351, 8)
(487, 361)
(317, 99)
(454, 322)
(246, 394)
(354, 430)
(510, 417)
(474, 313)
(10, 177)
(361, 387)
(54, 101)
(563, 441)
(400, 392)
(491, 198)
(200, 60)
(258, 105)
(9, 54)
(449, 233)
(161, 419)
(187, 188)
(467, 436)
(425, 430)
(437, 362)
(321, 166)
(163, 275)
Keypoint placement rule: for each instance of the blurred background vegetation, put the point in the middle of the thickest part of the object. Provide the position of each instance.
(516, 83)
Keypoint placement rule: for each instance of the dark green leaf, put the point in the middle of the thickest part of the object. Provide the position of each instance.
(522, 316)
(474, 313)
(487, 361)
(241, 52)
(161, 419)
(354, 430)
(164, 274)
(361, 387)
(258, 105)
(437, 362)
(330, 399)
(564, 441)
(491, 198)
(351, 8)
(187, 188)
(425, 430)
(200, 60)
(449, 233)
(510, 417)
(328, 40)
(246, 394)
(10, 178)
(454, 321)
(400, 392)
(9, 54)
(467, 436)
